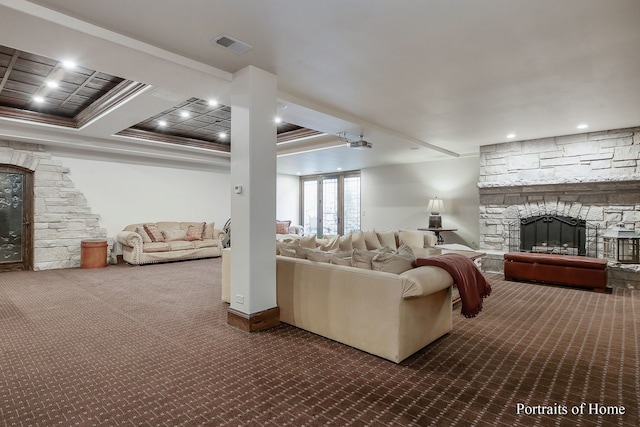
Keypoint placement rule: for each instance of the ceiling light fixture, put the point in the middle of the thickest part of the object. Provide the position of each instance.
(582, 126)
(38, 99)
(213, 103)
(69, 65)
(184, 114)
(277, 120)
(52, 84)
(511, 135)
(162, 123)
(222, 135)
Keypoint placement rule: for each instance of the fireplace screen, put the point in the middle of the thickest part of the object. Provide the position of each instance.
(554, 234)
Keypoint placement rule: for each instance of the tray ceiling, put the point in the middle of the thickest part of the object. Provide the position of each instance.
(38, 89)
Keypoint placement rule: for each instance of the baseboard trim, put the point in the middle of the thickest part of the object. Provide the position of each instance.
(254, 322)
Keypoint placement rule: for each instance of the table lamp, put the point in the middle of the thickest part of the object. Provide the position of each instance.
(435, 206)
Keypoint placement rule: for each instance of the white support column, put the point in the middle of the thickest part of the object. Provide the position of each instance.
(253, 200)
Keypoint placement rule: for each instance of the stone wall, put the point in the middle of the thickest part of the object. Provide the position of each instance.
(592, 175)
(62, 217)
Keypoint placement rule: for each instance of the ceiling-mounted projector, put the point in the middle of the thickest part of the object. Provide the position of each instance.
(361, 144)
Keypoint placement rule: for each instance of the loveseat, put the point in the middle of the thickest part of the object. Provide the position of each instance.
(146, 243)
(381, 307)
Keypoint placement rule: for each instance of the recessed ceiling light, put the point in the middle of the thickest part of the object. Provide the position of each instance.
(339, 169)
(222, 135)
(213, 102)
(184, 114)
(162, 123)
(69, 65)
(52, 84)
(298, 173)
(582, 126)
(277, 120)
(38, 99)
(511, 135)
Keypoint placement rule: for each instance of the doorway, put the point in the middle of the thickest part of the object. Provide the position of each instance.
(16, 218)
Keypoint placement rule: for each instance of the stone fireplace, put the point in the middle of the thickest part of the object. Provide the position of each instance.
(592, 177)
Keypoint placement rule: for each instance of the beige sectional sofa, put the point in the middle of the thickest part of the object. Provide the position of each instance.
(146, 243)
(388, 314)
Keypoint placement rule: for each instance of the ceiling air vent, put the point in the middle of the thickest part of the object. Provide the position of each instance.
(232, 44)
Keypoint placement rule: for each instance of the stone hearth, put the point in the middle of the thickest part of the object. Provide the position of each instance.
(593, 176)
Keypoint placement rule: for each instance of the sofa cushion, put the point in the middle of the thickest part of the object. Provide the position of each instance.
(154, 233)
(282, 227)
(179, 245)
(288, 251)
(143, 234)
(396, 262)
(205, 243)
(172, 235)
(319, 256)
(156, 247)
(195, 232)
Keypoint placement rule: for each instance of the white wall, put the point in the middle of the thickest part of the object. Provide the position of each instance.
(126, 193)
(395, 197)
(288, 198)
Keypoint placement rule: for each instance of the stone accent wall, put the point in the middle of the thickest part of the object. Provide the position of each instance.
(62, 217)
(592, 175)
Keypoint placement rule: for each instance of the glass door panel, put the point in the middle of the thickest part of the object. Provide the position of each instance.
(310, 207)
(330, 209)
(11, 217)
(351, 204)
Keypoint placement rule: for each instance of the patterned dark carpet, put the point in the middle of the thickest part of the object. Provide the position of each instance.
(150, 346)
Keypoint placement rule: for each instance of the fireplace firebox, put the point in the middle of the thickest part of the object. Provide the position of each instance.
(554, 234)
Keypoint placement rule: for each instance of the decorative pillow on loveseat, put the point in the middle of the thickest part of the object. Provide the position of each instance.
(173, 235)
(195, 232)
(154, 232)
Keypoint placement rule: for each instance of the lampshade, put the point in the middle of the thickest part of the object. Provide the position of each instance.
(435, 206)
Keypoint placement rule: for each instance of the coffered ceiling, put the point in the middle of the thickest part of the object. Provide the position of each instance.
(421, 80)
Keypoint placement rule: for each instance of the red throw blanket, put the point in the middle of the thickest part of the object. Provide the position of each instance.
(472, 285)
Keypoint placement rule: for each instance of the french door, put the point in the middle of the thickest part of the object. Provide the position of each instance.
(331, 203)
(16, 217)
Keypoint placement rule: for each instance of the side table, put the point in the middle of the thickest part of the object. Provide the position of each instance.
(437, 232)
(93, 253)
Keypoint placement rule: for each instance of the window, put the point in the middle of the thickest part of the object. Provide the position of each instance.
(331, 203)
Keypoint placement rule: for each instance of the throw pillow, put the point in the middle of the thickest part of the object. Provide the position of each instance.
(143, 234)
(319, 256)
(195, 232)
(345, 243)
(282, 227)
(397, 262)
(357, 240)
(371, 240)
(338, 259)
(173, 235)
(387, 238)
(329, 244)
(208, 230)
(413, 238)
(308, 241)
(362, 258)
(288, 252)
(154, 233)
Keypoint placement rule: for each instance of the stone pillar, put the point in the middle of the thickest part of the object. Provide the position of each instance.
(253, 200)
